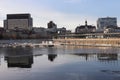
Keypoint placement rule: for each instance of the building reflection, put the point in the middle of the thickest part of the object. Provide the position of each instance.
(51, 57)
(85, 55)
(99, 56)
(21, 62)
(19, 57)
(107, 57)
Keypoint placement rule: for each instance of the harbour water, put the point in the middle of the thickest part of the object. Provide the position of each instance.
(60, 63)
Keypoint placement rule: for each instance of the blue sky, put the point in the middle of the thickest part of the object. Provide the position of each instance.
(65, 13)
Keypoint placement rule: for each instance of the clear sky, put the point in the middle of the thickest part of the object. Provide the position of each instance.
(65, 13)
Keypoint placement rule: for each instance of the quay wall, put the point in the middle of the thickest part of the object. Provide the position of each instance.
(90, 42)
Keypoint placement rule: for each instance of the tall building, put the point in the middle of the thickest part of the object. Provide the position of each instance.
(18, 21)
(102, 23)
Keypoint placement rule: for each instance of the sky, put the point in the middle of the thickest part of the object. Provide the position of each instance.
(65, 13)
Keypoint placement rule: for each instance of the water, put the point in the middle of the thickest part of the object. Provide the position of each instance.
(60, 63)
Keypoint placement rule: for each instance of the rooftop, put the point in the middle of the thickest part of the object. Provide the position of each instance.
(18, 16)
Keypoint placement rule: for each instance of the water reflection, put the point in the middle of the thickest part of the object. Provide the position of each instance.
(23, 57)
(18, 51)
(59, 64)
(99, 56)
(85, 55)
(21, 62)
(51, 57)
(107, 57)
(19, 57)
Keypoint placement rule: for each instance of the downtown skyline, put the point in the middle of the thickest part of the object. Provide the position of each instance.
(65, 13)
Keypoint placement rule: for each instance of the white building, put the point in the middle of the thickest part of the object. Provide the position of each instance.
(105, 22)
(18, 21)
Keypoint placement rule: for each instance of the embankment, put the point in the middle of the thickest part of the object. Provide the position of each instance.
(90, 42)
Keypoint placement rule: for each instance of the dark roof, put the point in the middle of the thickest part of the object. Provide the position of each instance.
(18, 16)
(88, 26)
(108, 18)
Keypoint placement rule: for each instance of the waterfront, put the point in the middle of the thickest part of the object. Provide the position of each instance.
(60, 63)
(97, 42)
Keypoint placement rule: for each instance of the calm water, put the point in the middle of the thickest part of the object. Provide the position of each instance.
(62, 63)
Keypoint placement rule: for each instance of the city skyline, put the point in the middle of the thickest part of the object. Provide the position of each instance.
(65, 13)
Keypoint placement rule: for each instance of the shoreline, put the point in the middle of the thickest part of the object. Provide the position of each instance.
(90, 42)
(61, 42)
(98, 45)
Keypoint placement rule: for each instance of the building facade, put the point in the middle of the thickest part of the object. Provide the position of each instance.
(62, 31)
(52, 27)
(42, 32)
(18, 21)
(102, 23)
(112, 30)
(83, 29)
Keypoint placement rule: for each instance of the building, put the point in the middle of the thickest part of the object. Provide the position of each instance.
(51, 24)
(62, 31)
(1, 32)
(83, 29)
(41, 32)
(18, 22)
(68, 31)
(52, 27)
(107, 21)
(112, 30)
